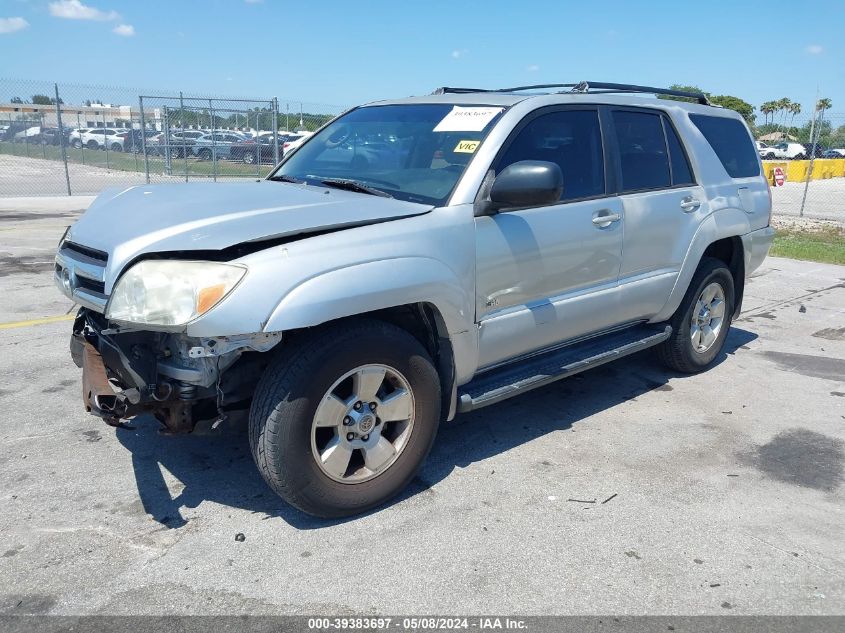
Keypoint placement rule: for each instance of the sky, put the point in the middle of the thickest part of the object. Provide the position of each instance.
(345, 53)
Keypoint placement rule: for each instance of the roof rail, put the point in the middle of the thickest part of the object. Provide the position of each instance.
(583, 87)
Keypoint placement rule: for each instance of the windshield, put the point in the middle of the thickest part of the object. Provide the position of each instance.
(413, 152)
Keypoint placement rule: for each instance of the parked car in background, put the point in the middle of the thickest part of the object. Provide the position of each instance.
(133, 143)
(261, 148)
(765, 150)
(98, 138)
(181, 142)
(833, 153)
(216, 145)
(809, 147)
(54, 136)
(791, 151)
(297, 140)
(28, 135)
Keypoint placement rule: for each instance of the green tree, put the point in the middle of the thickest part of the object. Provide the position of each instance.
(768, 108)
(44, 100)
(737, 105)
(16, 100)
(683, 88)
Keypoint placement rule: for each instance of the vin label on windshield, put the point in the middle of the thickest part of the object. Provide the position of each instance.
(467, 119)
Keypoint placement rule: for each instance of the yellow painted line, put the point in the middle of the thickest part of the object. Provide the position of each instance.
(53, 319)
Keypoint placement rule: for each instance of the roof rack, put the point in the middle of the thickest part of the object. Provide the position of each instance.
(583, 87)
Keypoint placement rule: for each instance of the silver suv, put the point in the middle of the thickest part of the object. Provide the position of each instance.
(411, 260)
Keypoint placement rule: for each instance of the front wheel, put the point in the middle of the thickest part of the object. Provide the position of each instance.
(700, 324)
(342, 420)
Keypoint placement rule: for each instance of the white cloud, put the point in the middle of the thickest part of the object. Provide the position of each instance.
(815, 49)
(10, 25)
(75, 10)
(533, 68)
(126, 30)
(458, 53)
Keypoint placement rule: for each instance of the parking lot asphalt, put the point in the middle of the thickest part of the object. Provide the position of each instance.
(626, 490)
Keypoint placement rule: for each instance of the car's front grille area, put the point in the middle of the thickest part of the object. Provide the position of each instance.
(91, 285)
(81, 274)
(90, 253)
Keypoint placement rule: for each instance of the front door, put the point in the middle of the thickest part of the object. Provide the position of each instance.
(548, 274)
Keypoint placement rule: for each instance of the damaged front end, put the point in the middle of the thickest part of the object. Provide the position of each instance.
(179, 379)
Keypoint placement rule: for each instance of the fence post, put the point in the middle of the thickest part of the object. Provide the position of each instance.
(275, 131)
(62, 137)
(41, 135)
(168, 151)
(82, 145)
(213, 141)
(182, 127)
(812, 158)
(105, 142)
(144, 139)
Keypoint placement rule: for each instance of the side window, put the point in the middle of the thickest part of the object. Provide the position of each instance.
(570, 138)
(731, 141)
(642, 150)
(681, 172)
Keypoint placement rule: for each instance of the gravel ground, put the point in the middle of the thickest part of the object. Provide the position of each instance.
(627, 489)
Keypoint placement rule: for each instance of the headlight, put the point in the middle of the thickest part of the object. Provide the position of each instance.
(157, 292)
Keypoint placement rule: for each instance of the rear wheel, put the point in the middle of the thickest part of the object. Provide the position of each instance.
(249, 158)
(92, 145)
(343, 419)
(116, 147)
(204, 154)
(76, 144)
(700, 324)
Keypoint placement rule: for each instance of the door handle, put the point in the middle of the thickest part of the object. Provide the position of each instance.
(606, 220)
(690, 204)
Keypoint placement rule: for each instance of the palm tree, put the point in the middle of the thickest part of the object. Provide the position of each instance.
(767, 108)
(782, 106)
(821, 105)
(794, 108)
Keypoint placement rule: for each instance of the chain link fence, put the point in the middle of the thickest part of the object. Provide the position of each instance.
(71, 139)
(804, 161)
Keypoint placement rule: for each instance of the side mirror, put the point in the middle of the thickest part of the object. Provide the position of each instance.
(527, 183)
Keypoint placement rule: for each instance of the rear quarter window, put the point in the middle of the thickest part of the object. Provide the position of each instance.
(730, 140)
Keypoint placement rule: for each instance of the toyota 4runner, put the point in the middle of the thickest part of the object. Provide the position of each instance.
(411, 260)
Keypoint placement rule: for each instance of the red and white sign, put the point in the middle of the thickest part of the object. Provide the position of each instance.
(780, 176)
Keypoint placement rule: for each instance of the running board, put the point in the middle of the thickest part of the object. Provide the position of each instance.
(517, 378)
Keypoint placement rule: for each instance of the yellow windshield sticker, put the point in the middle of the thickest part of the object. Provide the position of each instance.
(466, 147)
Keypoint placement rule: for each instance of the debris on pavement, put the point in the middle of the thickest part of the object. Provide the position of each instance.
(239, 537)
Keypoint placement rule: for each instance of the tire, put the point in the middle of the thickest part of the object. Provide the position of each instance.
(249, 158)
(77, 144)
(92, 145)
(799, 157)
(204, 154)
(116, 147)
(678, 351)
(283, 434)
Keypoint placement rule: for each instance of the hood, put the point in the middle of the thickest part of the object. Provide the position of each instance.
(129, 222)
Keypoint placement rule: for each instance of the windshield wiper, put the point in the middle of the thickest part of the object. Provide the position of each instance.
(354, 185)
(284, 178)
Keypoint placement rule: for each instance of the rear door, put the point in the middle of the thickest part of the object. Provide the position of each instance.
(663, 206)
